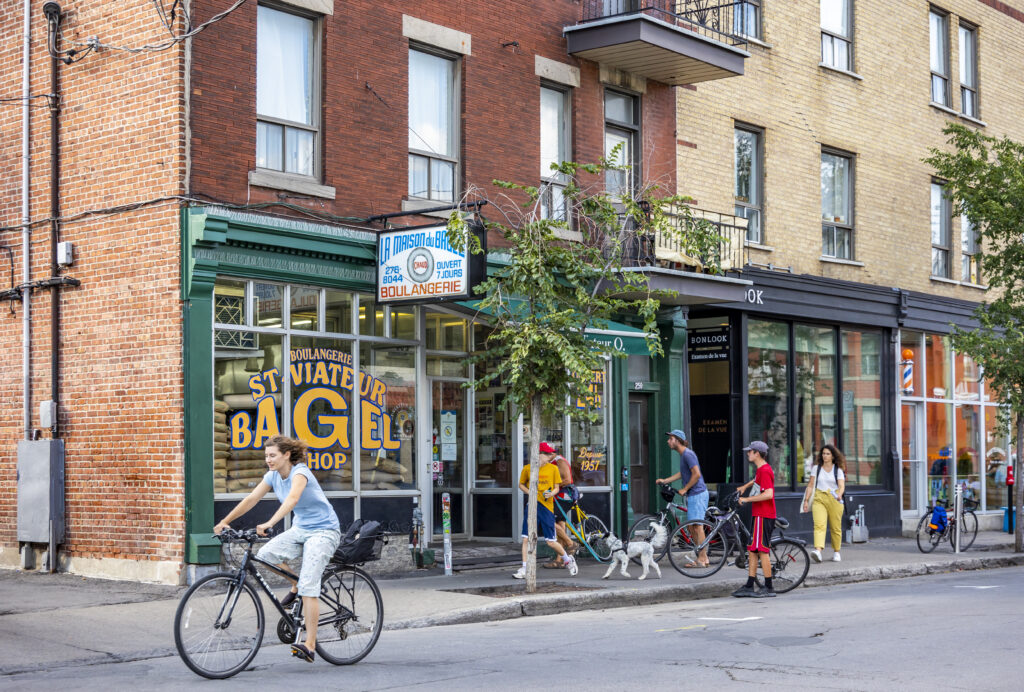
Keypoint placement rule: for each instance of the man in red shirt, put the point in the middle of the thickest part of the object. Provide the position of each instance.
(763, 511)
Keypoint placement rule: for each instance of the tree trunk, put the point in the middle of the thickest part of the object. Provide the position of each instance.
(531, 555)
(1018, 487)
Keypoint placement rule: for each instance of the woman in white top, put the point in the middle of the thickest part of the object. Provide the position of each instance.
(824, 497)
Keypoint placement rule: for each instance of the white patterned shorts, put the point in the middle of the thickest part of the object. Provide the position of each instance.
(315, 547)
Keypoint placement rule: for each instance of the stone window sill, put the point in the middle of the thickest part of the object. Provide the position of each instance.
(944, 280)
(839, 71)
(943, 108)
(978, 287)
(301, 184)
(758, 246)
(756, 42)
(839, 260)
(417, 204)
(975, 121)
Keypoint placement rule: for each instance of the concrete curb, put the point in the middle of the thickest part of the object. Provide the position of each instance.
(551, 604)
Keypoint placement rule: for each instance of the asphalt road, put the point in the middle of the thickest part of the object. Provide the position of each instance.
(961, 631)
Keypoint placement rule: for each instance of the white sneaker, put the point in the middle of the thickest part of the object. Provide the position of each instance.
(816, 555)
(836, 558)
(519, 573)
(573, 567)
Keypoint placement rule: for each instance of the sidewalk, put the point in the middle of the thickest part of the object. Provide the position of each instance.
(50, 621)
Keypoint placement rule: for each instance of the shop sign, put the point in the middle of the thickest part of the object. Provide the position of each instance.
(320, 413)
(708, 345)
(419, 265)
(595, 392)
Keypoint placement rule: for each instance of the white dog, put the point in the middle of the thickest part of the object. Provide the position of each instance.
(642, 549)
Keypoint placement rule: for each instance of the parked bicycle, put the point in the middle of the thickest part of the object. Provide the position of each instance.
(670, 518)
(930, 533)
(590, 531)
(725, 532)
(218, 627)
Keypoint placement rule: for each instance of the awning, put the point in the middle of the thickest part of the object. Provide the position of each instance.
(614, 336)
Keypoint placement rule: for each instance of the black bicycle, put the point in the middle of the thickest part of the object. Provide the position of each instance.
(930, 535)
(218, 627)
(723, 531)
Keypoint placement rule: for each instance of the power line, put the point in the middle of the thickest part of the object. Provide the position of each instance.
(167, 18)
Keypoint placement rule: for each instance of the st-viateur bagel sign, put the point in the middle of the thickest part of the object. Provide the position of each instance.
(419, 265)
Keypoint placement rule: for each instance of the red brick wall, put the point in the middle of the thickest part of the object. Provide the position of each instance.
(121, 379)
(364, 142)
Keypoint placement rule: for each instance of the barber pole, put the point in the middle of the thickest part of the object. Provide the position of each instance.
(908, 371)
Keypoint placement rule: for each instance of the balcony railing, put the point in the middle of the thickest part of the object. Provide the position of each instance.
(692, 248)
(716, 19)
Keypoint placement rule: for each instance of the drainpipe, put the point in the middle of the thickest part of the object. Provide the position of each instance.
(26, 243)
(54, 239)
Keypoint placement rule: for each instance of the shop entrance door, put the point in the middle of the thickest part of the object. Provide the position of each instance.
(639, 454)
(912, 458)
(449, 410)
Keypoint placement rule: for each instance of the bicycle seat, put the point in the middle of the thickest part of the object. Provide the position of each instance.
(781, 523)
(713, 511)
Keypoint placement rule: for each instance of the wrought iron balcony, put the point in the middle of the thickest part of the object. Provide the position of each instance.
(670, 41)
(692, 249)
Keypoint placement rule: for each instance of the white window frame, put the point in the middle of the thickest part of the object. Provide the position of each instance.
(942, 242)
(456, 124)
(834, 44)
(832, 231)
(752, 208)
(747, 14)
(552, 182)
(631, 130)
(939, 79)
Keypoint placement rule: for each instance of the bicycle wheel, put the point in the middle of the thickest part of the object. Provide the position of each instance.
(968, 530)
(790, 563)
(642, 530)
(927, 539)
(351, 615)
(595, 533)
(218, 626)
(684, 544)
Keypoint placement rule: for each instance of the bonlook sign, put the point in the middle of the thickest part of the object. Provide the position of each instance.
(420, 265)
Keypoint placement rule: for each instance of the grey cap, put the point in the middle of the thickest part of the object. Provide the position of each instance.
(677, 433)
(759, 447)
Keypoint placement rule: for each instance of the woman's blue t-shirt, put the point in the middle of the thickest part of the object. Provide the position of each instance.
(312, 512)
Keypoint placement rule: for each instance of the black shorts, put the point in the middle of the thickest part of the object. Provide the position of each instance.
(562, 506)
(761, 531)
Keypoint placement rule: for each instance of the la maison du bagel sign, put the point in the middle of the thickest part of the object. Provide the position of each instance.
(420, 265)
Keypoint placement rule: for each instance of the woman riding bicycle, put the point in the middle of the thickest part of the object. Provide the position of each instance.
(315, 531)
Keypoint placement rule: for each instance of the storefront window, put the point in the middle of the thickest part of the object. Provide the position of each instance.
(248, 394)
(767, 378)
(940, 450)
(305, 308)
(968, 450)
(968, 377)
(338, 312)
(937, 350)
(815, 350)
(997, 448)
(909, 373)
(371, 316)
(267, 302)
(446, 332)
(589, 439)
(862, 406)
(495, 432)
(387, 417)
(403, 322)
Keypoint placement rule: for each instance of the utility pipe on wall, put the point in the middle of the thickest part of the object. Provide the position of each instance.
(26, 171)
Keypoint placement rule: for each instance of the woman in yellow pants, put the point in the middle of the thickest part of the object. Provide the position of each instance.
(824, 497)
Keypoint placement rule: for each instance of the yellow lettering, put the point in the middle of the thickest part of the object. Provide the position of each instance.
(271, 378)
(378, 392)
(241, 436)
(256, 387)
(266, 421)
(320, 375)
(337, 423)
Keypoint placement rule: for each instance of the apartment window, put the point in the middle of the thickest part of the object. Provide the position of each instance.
(939, 40)
(969, 70)
(287, 103)
(433, 126)
(970, 245)
(836, 205)
(748, 181)
(621, 140)
(940, 231)
(554, 149)
(837, 34)
(746, 19)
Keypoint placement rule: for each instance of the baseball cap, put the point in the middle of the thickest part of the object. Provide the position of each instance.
(677, 433)
(545, 448)
(758, 446)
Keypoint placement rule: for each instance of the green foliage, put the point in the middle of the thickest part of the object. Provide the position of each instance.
(985, 181)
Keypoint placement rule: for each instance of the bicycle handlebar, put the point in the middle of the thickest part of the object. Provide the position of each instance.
(249, 535)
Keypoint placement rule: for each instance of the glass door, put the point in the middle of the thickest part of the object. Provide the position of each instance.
(449, 409)
(639, 453)
(912, 459)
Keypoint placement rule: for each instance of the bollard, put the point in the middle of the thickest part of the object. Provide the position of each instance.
(446, 522)
(958, 515)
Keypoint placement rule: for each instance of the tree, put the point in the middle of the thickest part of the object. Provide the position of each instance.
(985, 182)
(559, 280)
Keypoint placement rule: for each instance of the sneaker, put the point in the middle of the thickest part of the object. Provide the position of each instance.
(836, 558)
(765, 593)
(745, 592)
(519, 573)
(573, 567)
(816, 555)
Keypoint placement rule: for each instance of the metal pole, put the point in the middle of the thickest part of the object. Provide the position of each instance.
(958, 514)
(446, 522)
(26, 244)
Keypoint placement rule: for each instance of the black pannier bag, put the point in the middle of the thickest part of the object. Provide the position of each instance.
(362, 542)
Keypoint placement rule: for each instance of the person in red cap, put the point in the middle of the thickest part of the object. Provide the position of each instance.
(548, 483)
(563, 502)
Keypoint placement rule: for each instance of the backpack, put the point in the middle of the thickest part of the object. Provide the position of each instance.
(938, 520)
(361, 543)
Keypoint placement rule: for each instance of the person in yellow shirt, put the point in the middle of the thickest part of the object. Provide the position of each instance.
(548, 483)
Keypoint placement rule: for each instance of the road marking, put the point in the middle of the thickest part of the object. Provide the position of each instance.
(975, 587)
(688, 627)
(753, 617)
